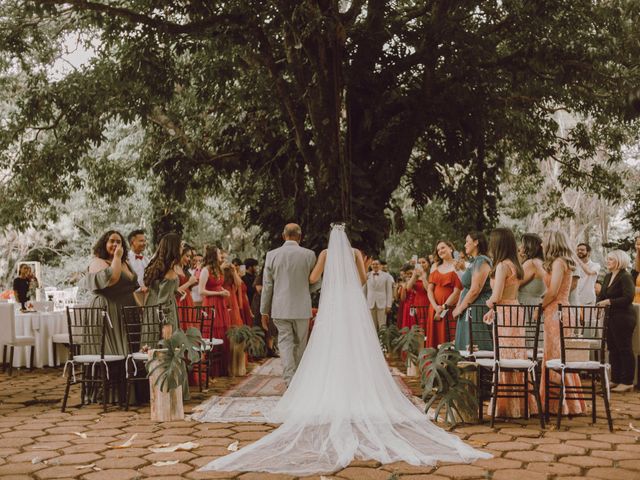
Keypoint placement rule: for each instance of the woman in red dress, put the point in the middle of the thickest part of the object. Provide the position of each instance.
(443, 292)
(186, 281)
(232, 284)
(214, 295)
(417, 292)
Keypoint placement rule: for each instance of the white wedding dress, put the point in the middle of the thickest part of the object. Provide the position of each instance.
(342, 403)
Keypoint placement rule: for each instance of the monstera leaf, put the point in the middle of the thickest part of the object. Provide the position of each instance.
(171, 362)
(409, 342)
(444, 386)
(387, 334)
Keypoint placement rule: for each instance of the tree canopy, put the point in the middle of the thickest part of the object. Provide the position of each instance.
(316, 110)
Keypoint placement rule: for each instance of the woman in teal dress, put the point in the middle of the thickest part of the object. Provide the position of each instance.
(476, 290)
(112, 282)
(163, 282)
(532, 287)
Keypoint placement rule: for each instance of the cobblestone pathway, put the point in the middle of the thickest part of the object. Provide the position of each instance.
(37, 441)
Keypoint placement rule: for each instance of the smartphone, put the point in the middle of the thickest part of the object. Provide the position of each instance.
(414, 259)
(243, 269)
(443, 313)
(456, 255)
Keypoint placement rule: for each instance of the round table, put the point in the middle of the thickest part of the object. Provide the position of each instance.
(42, 326)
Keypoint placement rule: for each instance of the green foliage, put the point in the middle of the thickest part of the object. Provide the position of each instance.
(320, 110)
(387, 334)
(172, 359)
(409, 342)
(442, 382)
(251, 337)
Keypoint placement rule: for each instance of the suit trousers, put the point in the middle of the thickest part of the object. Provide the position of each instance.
(379, 316)
(292, 340)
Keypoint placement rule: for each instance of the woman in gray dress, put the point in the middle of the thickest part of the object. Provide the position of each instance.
(112, 283)
(532, 287)
(162, 279)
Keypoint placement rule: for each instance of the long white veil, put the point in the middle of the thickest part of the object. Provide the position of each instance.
(343, 403)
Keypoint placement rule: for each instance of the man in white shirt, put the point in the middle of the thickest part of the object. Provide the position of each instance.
(587, 282)
(138, 262)
(379, 292)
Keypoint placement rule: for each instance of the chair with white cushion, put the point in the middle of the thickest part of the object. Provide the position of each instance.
(8, 315)
(576, 354)
(88, 328)
(512, 334)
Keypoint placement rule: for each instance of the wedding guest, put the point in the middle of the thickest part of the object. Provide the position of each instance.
(559, 264)
(249, 277)
(617, 293)
(194, 270)
(406, 297)
(243, 298)
(443, 292)
(379, 293)
(636, 270)
(185, 281)
(163, 282)
(271, 332)
(384, 266)
(417, 296)
(214, 295)
(138, 262)
(162, 279)
(232, 284)
(33, 284)
(112, 282)
(21, 285)
(532, 286)
(590, 270)
(476, 289)
(506, 275)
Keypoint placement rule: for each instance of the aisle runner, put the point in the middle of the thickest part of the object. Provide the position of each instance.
(258, 394)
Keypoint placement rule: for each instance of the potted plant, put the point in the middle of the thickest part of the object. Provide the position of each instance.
(409, 343)
(167, 371)
(387, 334)
(443, 382)
(244, 339)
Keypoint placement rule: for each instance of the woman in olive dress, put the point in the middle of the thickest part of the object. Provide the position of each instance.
(112, 283)
(161, 278)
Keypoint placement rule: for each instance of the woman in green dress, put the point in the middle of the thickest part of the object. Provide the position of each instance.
(162, 279)
(112, 283)
(164, 284)
(476, 290)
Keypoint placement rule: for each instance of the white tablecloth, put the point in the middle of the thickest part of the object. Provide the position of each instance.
(42, 326)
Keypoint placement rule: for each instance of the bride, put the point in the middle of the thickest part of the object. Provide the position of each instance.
(342, 404)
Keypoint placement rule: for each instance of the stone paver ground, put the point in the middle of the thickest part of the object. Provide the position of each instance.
(37, 441)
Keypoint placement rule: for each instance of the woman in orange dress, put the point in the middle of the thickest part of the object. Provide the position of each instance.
(443, 292)
(214, 295)
(559, 265)
(232, 283)
(505, 282)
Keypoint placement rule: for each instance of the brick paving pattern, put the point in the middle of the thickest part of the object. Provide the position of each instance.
(37, 441)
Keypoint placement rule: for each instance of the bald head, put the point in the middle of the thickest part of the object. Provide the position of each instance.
(292, 231)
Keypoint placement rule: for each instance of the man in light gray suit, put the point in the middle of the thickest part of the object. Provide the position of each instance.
(286, 296)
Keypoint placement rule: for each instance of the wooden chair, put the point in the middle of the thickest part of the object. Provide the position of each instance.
(510, 339)
(194, 317)
(215, 354)
(87, 332)
(576, 353)
(143, 326)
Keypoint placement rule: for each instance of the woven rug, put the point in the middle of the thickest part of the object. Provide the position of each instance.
(250, 400)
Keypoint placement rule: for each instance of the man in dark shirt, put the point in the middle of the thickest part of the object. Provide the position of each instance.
(251, 266)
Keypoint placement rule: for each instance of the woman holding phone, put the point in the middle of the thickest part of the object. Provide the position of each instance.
(416, 292)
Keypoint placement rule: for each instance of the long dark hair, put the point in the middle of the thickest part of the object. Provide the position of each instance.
(437, 259)
(100, 247)
(166, 256)
(532, 246)
(211, 260)
(502, 246)
(483, 243)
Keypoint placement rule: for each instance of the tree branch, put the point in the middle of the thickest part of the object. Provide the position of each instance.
(131, 16)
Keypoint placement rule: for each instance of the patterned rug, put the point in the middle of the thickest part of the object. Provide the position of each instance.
(256, 396)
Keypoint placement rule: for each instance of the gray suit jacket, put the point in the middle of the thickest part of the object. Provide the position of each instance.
(285, 283)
